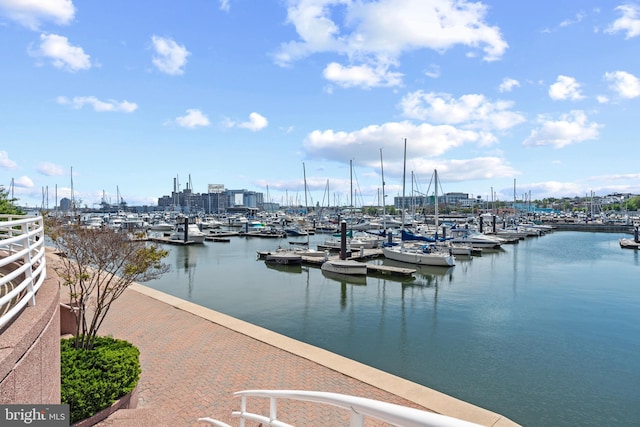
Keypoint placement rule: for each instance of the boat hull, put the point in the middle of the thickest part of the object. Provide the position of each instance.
(419, 258)
(349, 267)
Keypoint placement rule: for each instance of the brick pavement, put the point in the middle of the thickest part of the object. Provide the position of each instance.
(193, 359)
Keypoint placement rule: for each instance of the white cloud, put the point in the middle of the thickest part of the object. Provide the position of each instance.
(6, 162)
(170, 58)
(31, 13)
(629, 23)
(361, 75)
(508, 84)
(602, 99)
(193, 119)
(425, 140)
(50, 169)
(569, 129)
(378, 33)
(565, 88)
(256, 122)
(624, 84)
(471, 111)
(98, 105)
(433, 71)
(224, 5)
(62, 55)
(575, 20)
(23, 182)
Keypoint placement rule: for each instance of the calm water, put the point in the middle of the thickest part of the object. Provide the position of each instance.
(545, 332)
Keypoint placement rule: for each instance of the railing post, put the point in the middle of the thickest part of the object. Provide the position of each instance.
(27, 261)
(357, 420)
(243, 409)
(273, 409)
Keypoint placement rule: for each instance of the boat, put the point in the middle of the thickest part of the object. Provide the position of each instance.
(189, 234)
(354, 242)
(295, 230)
(475, 239)
(161, 226)
(419, 255)
(627, 243)
(345, 266)
(283, 258)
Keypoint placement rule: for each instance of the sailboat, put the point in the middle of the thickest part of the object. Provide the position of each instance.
(423, 254)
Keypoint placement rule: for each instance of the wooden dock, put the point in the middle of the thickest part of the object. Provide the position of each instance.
(388, 270)
(374, 269)
(173, 241)
(629, 244)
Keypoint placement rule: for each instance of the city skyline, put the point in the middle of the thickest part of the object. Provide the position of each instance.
(501, 98)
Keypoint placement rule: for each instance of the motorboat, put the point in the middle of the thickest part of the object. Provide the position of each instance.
(189, 234)
(161, 226)
(283, 258)
(345, 266)
(475, 239)
(419, 255)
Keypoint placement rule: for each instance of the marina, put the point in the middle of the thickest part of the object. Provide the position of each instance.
(545, 331)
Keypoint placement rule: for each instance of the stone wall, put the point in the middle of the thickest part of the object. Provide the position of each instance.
(30, 351)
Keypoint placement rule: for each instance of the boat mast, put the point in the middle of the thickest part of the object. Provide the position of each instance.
(384, 219)
(351, 183)
(404, 174)
(435, 211)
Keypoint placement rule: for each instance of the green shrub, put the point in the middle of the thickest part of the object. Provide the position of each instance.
(93, 380)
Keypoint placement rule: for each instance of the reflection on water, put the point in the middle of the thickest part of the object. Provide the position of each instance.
(345, 279)
(284, 268)
(545, 331)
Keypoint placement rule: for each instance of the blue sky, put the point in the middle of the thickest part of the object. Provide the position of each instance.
(260, 94)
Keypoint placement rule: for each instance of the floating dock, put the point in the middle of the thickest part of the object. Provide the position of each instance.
(173, 241)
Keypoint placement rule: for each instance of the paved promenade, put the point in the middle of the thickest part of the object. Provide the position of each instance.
(193, 359)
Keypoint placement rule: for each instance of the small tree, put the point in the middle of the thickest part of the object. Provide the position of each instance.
(7, 205)
(97, 266)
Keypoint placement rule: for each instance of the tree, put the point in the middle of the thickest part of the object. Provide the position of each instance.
(7, 205)
(97, 266)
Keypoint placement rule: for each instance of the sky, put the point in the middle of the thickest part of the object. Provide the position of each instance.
(118, 99)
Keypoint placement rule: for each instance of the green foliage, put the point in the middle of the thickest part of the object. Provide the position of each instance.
(92, 380)
(633, 204)
(7, 205)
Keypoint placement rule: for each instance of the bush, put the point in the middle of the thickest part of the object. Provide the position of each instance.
(93, 380)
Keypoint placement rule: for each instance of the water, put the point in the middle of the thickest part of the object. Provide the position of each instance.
(545, 332)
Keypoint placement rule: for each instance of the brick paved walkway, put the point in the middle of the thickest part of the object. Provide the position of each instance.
(193, 359)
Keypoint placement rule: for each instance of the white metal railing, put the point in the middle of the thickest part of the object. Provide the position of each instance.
(358, 407)
(22, 258)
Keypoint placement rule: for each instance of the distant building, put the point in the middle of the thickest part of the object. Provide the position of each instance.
(451, 199)
(65, 204)
(217, 200)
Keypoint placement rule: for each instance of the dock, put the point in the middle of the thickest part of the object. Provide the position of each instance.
(374, 269)
(172, 241)
(389, 270)
(629, 244)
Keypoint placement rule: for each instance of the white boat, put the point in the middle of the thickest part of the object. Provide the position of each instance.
(475, 239)
(193, 233)
(210, 223)
(161, 226)
(356, 242)
(345, 266)
(284, 258)
(419, 255)
(456, 248)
